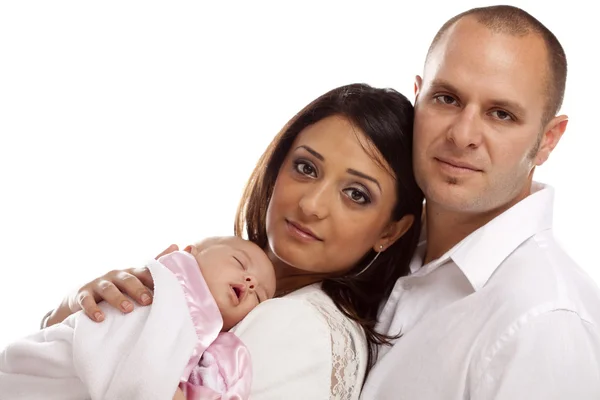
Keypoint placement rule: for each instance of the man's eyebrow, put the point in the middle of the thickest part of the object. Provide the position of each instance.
(365, 176)
(311, 151)
(441, 84)
(514, 107)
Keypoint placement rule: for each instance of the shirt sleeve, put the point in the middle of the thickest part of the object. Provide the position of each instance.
(554, 356)
(290, 348)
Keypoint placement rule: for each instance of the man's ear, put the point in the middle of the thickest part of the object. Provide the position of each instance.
(418, 85)
(553, 131)
(393, 232)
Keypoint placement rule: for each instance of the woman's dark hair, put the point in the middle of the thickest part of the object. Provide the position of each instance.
(385, 117)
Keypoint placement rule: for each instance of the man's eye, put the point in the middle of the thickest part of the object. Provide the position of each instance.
(445, 99)
(502, 115)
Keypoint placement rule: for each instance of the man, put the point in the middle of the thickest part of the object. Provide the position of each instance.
(494, 308)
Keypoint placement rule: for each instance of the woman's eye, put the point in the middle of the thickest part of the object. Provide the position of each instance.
(306, 169)
(357, 196)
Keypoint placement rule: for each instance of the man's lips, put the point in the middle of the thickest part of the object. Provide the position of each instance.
(458, 164)
(302, 231)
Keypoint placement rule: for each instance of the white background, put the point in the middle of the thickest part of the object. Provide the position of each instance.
(126, 126)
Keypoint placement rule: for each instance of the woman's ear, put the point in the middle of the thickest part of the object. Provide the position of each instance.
(393, 232)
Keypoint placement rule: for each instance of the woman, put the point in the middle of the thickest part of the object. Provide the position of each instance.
(334, 203)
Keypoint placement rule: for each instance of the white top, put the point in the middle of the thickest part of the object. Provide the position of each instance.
(136, 356)
(505, 314)
(302, 347)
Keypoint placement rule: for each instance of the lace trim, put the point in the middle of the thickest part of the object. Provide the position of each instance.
(346, 365)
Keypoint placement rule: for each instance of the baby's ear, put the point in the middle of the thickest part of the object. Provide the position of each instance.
(191, 249)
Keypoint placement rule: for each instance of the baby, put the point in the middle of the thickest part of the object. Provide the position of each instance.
(238, 273)
(239, 276)
(178, 344)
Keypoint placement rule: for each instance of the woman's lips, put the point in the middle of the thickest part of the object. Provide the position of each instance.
(302, 232)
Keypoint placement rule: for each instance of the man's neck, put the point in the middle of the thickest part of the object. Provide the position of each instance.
(446, 228)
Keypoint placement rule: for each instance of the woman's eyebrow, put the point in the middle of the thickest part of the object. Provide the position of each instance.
(350, 170)
(311, 151)
(363, 175)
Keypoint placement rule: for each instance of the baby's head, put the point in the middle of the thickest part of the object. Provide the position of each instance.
(238, 273)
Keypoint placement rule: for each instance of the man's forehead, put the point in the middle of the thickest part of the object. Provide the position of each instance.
(496, 67)
(468, 37)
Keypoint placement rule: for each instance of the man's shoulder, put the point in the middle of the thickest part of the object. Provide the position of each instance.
(540, 275)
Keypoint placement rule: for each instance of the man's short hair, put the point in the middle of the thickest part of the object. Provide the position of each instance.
(517, 22)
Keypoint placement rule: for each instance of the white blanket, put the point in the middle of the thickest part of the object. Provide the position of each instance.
(141, 355)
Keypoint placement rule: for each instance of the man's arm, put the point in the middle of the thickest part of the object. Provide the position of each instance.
(556, 355)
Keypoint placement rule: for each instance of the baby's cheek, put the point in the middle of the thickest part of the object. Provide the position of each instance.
(236, 314)
(230, 319)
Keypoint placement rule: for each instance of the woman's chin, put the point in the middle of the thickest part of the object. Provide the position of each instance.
(292, 258)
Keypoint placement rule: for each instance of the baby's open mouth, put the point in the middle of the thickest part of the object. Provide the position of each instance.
(238, 292)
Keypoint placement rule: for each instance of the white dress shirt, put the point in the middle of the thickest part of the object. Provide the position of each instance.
(504, 314)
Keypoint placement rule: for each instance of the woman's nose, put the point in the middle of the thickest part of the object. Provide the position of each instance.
(315, 201)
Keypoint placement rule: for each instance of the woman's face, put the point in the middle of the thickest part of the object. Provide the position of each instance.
(332, 202)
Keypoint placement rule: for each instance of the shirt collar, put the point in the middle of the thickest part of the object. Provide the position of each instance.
(479, 254)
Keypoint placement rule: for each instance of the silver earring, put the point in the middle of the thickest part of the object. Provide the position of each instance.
(372, 261)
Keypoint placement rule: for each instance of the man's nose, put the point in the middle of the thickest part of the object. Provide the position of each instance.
(467, 130)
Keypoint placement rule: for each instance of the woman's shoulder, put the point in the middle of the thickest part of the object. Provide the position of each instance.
(304, 340)
(308, 312)
(290, 348)
(298, 308)
(314, 298)
(307, 305)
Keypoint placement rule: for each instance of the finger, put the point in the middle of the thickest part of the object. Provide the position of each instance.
(132, 286)
(168, 250)
(86, 301)
(144, 275)
(109, 292)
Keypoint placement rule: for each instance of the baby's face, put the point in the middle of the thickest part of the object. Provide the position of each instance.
(239, 275)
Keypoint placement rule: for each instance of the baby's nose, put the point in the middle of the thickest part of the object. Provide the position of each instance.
(251, 282)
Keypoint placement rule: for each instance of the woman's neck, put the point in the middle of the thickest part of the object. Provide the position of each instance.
(289, 278)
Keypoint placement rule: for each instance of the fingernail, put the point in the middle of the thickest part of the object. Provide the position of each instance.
(98, 316)
(126, 306)
(145, 298)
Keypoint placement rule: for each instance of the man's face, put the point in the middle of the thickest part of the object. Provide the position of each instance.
(479, 118)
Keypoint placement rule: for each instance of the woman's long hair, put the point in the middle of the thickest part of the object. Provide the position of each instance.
(386, 119)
